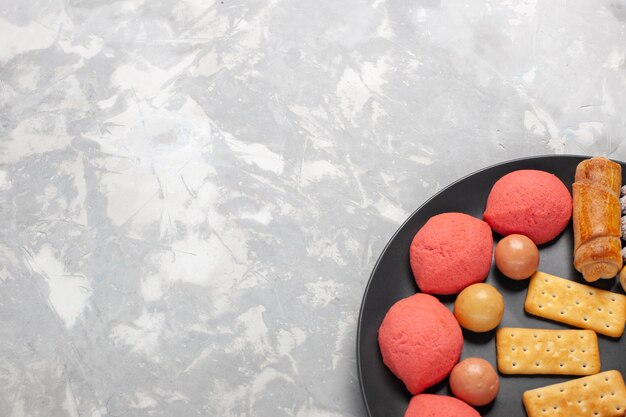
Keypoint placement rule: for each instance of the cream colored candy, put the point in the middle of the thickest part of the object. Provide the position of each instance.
(542, 351)
(599, 395)
(576, 304)
(479, 307)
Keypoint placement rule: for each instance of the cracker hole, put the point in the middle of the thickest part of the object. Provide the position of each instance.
(561, 390)
(613, 392)
(610, 312)
(553, 295)
(545, 280)
(584, 365)
(583, 350)
(569, 286)
(558, 336)
(540, 306)
(585, 319)
(524, 349)
(562, 312)
(548, 350)
(538, 395)
(612, 298)
(595, 413)
(591, 293)
(513, 349)
(561, 365)
(572, 350)
(512, 334)
(607, 325)
(543, 293)
(618, 408)
(514, 364)
(555, 407)
(577, 302)
(537, 364)
(579, 401)
(585, 385)
(535, 336)
(599, 308)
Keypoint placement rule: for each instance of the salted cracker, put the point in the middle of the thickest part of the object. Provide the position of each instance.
(542, 351)
(599, 395)
(576, 304)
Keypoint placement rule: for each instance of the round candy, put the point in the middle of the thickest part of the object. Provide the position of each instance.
(450, 252)
(479, 308)
(431, 405)
(517, 256)
(420, 341)
(474, 381)
(533, 203)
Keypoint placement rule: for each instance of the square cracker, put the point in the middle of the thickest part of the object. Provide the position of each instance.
(599, 395)
(542, 351)
(576, 304)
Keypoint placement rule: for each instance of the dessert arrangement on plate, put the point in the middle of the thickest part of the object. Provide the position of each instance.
(421, 340)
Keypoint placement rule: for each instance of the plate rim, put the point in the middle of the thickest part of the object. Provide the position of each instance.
(402, 225)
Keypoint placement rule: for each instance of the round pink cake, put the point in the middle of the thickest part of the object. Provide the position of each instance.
(420, 341)
(531, 203)
(430, 405)
(450, 252)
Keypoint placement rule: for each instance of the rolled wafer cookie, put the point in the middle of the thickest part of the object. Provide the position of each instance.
(596, 218)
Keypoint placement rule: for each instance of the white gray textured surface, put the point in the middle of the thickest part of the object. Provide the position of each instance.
(193, 193)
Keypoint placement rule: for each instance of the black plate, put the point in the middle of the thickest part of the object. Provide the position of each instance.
(392, 280)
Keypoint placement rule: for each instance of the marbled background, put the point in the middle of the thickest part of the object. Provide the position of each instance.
(193, 193)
